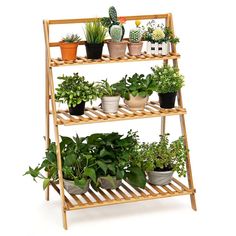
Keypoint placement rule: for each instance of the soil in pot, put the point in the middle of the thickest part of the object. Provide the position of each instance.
(106, 184)
(135, 49)
(160, 177)
(110, 104)
(94, 50)
(68, 51)
(117, 49)
(167, 100)
(136, 103)
(78, 110)
(73, 189)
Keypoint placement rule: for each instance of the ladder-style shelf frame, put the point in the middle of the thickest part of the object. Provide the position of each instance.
(125, 193)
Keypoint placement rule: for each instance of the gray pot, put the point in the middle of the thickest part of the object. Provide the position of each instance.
(136, 103)
(159, 177)
(106, 184)
(110, 104)
(73, 189)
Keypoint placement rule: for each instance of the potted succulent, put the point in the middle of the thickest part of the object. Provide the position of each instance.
(68, 46)
(95, 34)
(136, 90)
(135, 44)
(158, 38)
(110, 97)
(75, 91)
(76, 165)
(161, 159)
(168, 82)
(116, 46)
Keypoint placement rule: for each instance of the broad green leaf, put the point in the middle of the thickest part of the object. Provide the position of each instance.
(120, 174)
(70, 160)
(110, 179)
(112, 168)
(104, 153)
(103, 166)
(81, 183)
(46, 182)
(90, 172)
(136, 177)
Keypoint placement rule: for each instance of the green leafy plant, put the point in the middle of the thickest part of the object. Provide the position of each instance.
(167, 78)
(107, 90)
(164, 156)
(95, 32)
(75, 89)
(71, 38)
(137, 85)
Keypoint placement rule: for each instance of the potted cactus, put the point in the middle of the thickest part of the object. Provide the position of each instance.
(110, 97)
(95, 34)
(68, 46)
(116, 45)
(135, 44)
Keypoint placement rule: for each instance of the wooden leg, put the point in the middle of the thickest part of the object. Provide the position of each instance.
(163, 125)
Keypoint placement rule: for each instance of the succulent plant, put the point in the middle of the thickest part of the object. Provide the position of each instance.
(116, 33)
(135, 35)
(158, 34)
(71, 38)
(113, 14)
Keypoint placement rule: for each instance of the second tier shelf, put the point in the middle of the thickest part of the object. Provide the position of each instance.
(96, 115)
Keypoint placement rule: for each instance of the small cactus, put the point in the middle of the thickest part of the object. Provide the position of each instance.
(116, 33)
(113, 14)
(135, 35)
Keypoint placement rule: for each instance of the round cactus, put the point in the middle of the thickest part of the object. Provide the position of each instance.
(116, 33)
(135, 35)
(113, 14)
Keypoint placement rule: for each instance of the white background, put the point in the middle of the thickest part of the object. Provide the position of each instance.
(207, 33)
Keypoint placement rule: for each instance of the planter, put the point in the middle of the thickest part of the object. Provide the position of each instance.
(78, 110)
(136, 103)
(167, 100)
(107, 184)
(94, 50)
(68, 51)
(159, 177)
(135, 49)
(73, 189)
(117, 49)
(158, 48)
(110, 104)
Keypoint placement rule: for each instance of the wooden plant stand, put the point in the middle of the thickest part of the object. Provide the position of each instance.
(125, 193)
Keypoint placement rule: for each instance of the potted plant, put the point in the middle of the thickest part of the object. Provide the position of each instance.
(68, 46)
(75, 91)
(110, 97)
(135, 44)
(76, 165)
(95, 34)
(168, 82)
(136, 90)
(161, 159)
(158, 38)
(116, 46)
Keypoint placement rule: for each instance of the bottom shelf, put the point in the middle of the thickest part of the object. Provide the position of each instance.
(125, 193)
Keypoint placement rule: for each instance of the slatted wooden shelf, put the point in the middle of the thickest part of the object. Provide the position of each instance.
(96, 115)
(106, 59)
(125, 193)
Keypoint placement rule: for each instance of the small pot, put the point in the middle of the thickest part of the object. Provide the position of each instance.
(136, 103)
(152, 48)
(165, 48)
(159, 177)
(108, 185)
(73, 189)
(78, 110)
(167, 100)
(110, 104)
(94, 50)
(68, 51)
(117, 49)
(135, 49)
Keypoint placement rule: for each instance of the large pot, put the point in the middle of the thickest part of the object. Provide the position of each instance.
(106, 184)
(73, 189)
(159, 177)
(68, 51)
(78, 110)
(135, 49)
(117, 49)
(110, 104)
(136, 103)
(167, 100)
(94, 50)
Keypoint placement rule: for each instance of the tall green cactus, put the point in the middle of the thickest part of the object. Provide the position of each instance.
(116, 33)
(135, 35)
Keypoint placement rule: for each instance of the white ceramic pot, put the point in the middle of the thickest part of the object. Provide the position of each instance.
(152, 48)
(159, 177)
(110, 104)
(164, 48)
(136, 103)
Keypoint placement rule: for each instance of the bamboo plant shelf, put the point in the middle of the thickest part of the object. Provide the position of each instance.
(125, 193)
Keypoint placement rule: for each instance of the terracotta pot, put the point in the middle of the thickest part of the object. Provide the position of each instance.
(110, 104)
(73, 189)
(108, 185)
(68, 51)
(136, 103)
(135, 49)
(117, 49)
(159, 177)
